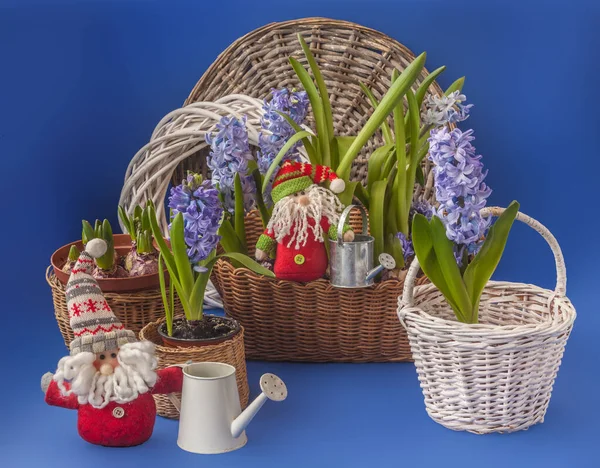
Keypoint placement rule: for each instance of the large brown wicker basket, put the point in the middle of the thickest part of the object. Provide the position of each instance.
(134, 309)
(229, 351)
(287, 321)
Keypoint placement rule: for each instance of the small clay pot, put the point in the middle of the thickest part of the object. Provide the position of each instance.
(173, 342)
(122, 247)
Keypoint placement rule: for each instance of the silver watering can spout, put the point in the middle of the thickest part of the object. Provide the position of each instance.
(386, 262)
(273, 389)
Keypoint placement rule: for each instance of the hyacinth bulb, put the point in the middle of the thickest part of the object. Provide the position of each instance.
(143, 257)
(73, 256)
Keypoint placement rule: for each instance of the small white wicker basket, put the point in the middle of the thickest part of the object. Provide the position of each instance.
(497, 375)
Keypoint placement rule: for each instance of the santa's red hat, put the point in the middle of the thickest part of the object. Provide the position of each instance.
(95, 326)
(296, 176)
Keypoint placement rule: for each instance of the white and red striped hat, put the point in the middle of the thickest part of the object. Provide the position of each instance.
(95, 326)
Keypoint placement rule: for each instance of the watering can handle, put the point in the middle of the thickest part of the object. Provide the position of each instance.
(171, 396)
(344, 218)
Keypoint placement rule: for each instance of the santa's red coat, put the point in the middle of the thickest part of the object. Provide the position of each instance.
(119, 424)
(303, 264)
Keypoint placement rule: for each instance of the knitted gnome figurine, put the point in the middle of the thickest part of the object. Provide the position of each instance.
(303, 212)
(110, 377)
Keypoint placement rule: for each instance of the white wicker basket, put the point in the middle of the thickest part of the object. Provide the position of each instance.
(495, 376)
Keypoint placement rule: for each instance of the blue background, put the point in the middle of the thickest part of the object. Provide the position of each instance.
(83, 84)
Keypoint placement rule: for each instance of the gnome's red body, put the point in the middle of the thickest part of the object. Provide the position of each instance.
(305, 263)
(119, 424)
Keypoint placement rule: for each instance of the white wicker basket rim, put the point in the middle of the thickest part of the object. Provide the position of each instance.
(562, 312)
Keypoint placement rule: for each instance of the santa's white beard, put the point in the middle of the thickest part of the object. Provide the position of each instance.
(134, 375)
(291, 218)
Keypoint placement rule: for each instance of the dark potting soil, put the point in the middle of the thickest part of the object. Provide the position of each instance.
(209, 327)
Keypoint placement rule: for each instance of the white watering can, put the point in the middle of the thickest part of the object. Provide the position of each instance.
(211, 419)
(351, 263)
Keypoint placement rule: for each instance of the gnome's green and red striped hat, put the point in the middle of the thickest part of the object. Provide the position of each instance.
(297, 176)
(95, 326)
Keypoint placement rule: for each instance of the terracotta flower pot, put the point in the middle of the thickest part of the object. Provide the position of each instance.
(122, 246)
(174, 342)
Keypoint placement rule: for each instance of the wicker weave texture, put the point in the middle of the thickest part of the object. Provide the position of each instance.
(288, 321)
(229, 352)
(347, 54)
(496, 376)
(134, 309)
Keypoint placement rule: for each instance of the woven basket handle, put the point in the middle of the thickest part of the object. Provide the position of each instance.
(561, 271)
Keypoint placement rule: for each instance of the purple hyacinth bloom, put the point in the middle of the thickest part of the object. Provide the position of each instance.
(422, 207)
(277, 131)
(198, 202)
(442, 110)
(407, 246)
(230, 153)
(460, 188)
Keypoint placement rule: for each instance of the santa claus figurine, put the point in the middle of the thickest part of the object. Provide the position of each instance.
(303, 216)
(110, 376)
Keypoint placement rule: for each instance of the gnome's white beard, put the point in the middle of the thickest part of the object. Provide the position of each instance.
(135, 375)
(291, 218)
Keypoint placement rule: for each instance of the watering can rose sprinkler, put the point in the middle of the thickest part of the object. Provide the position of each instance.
(351, 262)
(211, 420)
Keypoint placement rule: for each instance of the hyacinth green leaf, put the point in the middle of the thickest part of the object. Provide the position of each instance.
(347, 195)
(393, 246)
(399, 202)
(388, 166)
(87, 232)
(282, 152)
(125, 220)
(424, 251)
(413, 123)
(317, 108)
(163, 291)
(312, 153)
(482, 267)
(385, 128)
(229, 239)
(179, 248)
(183, 295)
(361, 193)
(341, 145)
(375, 164)
(252, 164)
(258, 196)
(245, 261)
(322, 87)
(422, 91)
(145, 219)
(376, 215)
(444, 251)
(98, 229)
(73, 253)
(456, 86)
(160, 241)
(389, 101)
(239, 213)
(199, 289)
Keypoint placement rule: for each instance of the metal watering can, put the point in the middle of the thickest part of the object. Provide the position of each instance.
(351, 263)
(211, 419)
